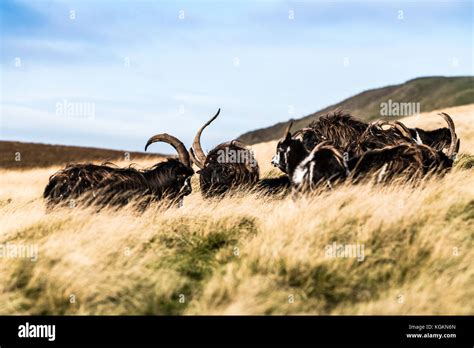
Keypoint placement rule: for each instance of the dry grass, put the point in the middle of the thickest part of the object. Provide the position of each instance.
(245, 254)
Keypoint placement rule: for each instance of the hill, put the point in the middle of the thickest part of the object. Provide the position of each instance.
(430, 92)
(19, 155)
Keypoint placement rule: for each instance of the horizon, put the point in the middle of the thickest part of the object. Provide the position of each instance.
(168, 151)
(151, 67)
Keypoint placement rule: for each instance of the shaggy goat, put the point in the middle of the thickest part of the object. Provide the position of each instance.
(228, 166)
(339, 129)
(403, 160)
(293, 158)
(105, 185)
(438, 139)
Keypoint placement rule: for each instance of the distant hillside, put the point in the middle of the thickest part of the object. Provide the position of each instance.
(19, 155)
(431, 92)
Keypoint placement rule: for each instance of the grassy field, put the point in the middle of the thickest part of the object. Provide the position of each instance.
(248, 254)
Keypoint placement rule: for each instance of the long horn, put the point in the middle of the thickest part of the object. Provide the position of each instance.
(199, 153)
(454, 146)
(194, 159)
(287, 129)
(319, 146)
(403, 129)
(381, 123)
(183, 155)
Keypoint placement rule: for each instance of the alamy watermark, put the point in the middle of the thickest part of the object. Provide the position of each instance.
(13, 251)
(28, 330)
(335, 250)
(391, 108)
(75, 109)
(242, 156)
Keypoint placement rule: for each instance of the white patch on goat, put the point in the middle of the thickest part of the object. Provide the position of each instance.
(311, 172)
(276, 158)
(418, 139)
(299, 174)
(382, 173)
(301, 170)
(286, 154)
(187, 183)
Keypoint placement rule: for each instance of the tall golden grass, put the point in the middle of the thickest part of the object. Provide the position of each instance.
(245, 254)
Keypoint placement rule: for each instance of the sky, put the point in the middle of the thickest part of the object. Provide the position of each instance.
(113, 73)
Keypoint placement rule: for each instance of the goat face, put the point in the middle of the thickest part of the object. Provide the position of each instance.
(290, 152)
(171, 179)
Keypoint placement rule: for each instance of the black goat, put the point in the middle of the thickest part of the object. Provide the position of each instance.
(438, 139)
(294, 159)
(404, 160)
(339, 129)
(386, 153)
(228, 166)
(106, 185)
(324, 166)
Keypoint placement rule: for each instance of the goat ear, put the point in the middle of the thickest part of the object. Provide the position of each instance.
(287, 133)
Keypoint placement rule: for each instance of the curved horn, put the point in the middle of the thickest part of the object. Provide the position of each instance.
(238, 143)
(381, 123)
(183, 155)
(403, 129)
(454, 146)
(199, 153)
(287, 129)
(194, 159)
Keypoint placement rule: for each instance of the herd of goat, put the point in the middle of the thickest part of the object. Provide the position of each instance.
(333, 149)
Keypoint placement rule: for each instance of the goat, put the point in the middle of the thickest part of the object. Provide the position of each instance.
(438, 139)
(228, 166)
(294, 159)
(377, 137)
(106, 185)
(339, 129)
(323, 166)
(404, 160)
(290, 152)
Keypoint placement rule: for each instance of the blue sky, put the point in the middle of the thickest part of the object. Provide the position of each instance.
(148, 67)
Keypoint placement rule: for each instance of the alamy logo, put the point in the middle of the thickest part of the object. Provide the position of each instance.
(75, 109)
(335, 250)
(391, 108)
(236, 156)
(37, 331)
(11, 250)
